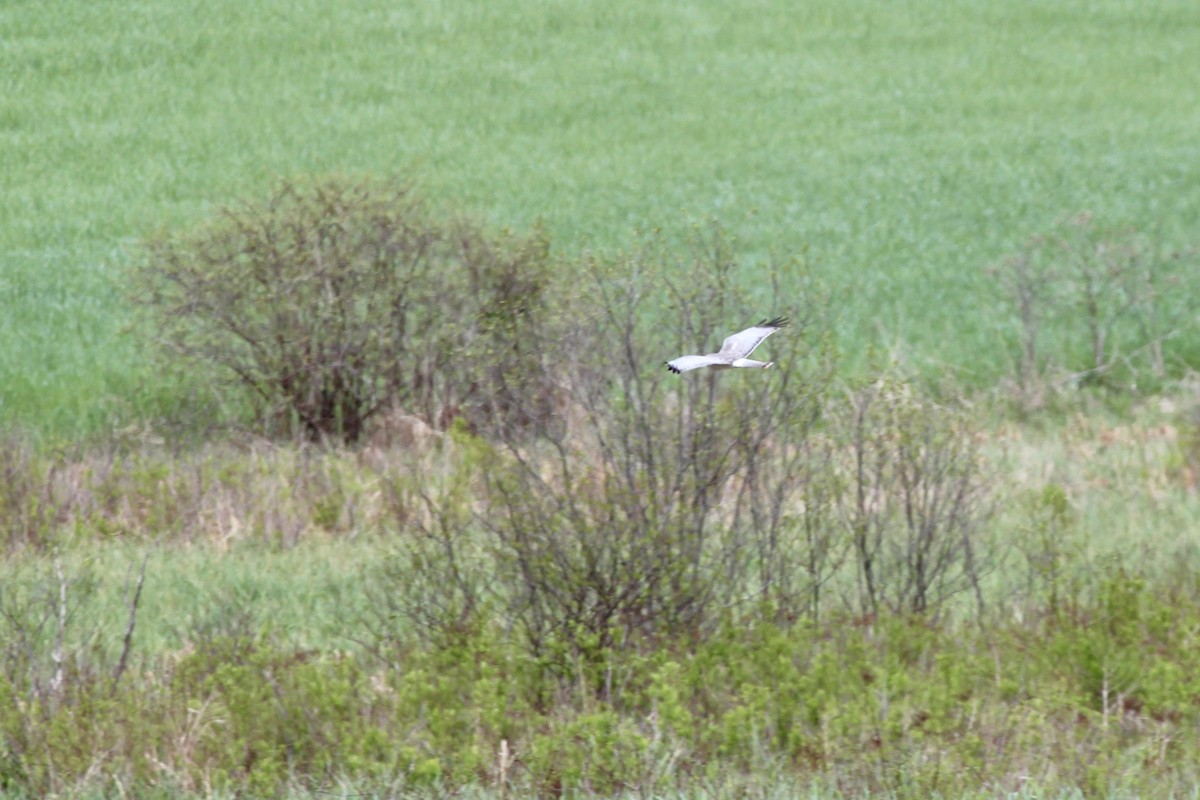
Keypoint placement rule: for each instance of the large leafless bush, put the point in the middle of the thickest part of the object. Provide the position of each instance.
(655, 505)
(337, 298)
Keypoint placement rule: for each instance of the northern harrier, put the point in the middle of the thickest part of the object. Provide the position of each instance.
(733, 350)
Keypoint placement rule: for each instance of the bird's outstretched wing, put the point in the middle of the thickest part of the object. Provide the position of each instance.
(742, 343)
(685, 363)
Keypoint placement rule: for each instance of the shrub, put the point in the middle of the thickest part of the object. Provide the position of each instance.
(1094, 306)
(657, 501)
(337, 298)
(914, 501)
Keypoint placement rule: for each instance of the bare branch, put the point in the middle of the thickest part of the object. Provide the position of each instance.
(127, 644)
(56, 655)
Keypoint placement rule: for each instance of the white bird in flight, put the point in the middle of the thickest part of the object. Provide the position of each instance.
(733, 350)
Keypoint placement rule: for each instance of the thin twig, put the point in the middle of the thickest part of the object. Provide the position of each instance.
(57, 654)
(133, 608)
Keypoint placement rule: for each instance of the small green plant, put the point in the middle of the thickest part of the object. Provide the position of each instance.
(1047, 540)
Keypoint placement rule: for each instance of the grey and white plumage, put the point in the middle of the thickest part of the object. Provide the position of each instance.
(733, 350)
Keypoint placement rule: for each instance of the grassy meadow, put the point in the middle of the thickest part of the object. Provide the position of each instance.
(904, 147)
(901, 151)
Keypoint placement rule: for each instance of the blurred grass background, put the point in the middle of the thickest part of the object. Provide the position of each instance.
(903, 146)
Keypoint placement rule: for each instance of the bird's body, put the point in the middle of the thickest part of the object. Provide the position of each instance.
(733, 350)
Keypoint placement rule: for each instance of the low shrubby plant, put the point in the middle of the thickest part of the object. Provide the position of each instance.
(1100, 694)
(219, 493)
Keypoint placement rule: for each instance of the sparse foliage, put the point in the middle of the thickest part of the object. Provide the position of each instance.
(337, 298)
(1094, 306)
(654, 504)
(437, 586)
(1047, 542)
(915, 499)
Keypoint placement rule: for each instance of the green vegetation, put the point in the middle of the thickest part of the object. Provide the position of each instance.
(276, 647)
(905, 147)
(419, 513)
(734, 586)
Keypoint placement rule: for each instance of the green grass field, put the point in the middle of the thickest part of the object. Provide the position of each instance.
(901, 149)
(904, 146)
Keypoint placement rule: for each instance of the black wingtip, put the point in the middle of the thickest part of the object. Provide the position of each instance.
(670, 368)
(778, 322)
